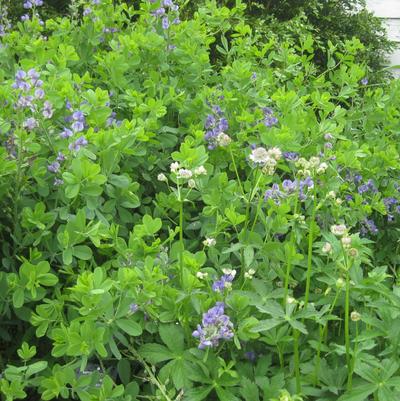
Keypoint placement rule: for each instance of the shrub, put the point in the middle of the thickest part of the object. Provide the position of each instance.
(173, 229)
(328, 22)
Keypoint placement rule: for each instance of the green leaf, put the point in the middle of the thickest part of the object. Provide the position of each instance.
(72, 191)
(249, 390)
(359, 393)
(225, 395)
(114, 348)
(48, 279)
(67, 256)
(132, 389)
(36, 368)
(18, 297)
(172, 336)
(248, 255)
(120, 181)
(124, 371)
(130, 327)
(265, 325)
(155, 353)
(298, 326)
(198, 393)
(82, 252)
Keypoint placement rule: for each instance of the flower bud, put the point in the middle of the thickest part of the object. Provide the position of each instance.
(290, 300)
(209, 242)
(162, 177)
(327, 248)
(174, 167)
(340, 283)
(338, 229)
(191, 183)
(322, 168)
(346, 241)
(355, 316)
(353, 252)
(200, 171)
(201, 275)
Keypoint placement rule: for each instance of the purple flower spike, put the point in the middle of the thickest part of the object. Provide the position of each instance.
(80, 142)
(67, 133)
(165, 22)
(47, 110)
(30, 124)
(54, 167)
(215, 326)
(290, 156)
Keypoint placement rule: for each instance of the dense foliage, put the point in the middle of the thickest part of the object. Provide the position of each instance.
(175, 229)
(329, 22)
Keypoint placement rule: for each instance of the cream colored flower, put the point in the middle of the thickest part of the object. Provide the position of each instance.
(174, 167)
(200, 171)
(260, 155)
(209, 242)
(162, 177)
(338, 229)
(184, 173)
(327, 248)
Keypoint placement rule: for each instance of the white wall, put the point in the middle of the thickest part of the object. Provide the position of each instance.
(389, 11)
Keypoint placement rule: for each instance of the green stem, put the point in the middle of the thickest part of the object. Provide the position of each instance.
(153, 378)
(260, 202)
(250, 199)
(17, 228)
(310, 245)
(322, 333)
(236, 171)
(289, 261)
(353, 361)
(346, 331)
(281, 361)
(181, 247)
(296, 335)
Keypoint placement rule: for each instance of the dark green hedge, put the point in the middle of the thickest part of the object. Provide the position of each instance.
(333, 20)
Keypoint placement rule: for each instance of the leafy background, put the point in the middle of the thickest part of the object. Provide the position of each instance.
(100, 280)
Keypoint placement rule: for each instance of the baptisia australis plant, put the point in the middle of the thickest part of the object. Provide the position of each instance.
(150, 267)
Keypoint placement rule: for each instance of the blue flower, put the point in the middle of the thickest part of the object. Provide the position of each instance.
(216, 125)
(368, 226)
(80, 142)
(67, 133)
(30, 123)
(269, 117)
(274, 194)
(290, 156)
(54, 167)
(225, 280)
(165, 22)
(215, 326)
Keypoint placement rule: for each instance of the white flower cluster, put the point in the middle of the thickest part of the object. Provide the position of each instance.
(267, 159)
(339, 230)
(183, 174)
(306, 167)
(201, 275)
(209, 242)
(332, 195)
(249, 274)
